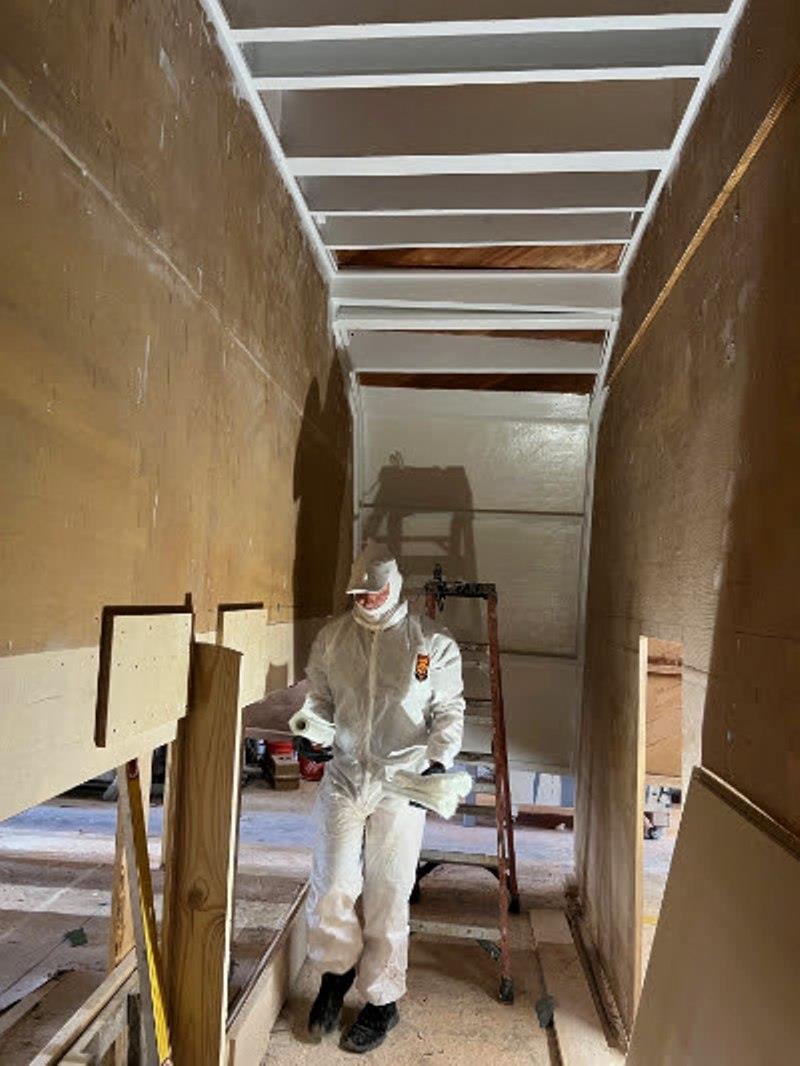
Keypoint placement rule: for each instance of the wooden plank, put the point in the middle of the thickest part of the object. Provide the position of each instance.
(121, 939)
(144, 671)
(244, 629)
(107, 1030)
(579, 1031)
(576, 384)
(51, 698)
(723, 982)
(199, 891)
(588, 257)
(254, 1015)
(78, 1022)
(664, 725)
(454, 931)
(12, 1014)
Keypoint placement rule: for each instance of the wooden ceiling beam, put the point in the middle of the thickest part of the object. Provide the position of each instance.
(584, 257)
(577, 384)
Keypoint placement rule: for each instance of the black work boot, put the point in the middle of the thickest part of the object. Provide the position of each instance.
(327, 1007)
(370, 1028)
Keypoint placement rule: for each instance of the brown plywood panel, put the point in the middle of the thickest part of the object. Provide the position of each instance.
(244, 629)
(173, 417)
(144, 673)
(723, 981)
(577, 384)
(664, 723)
(498, 257)
(695, 532)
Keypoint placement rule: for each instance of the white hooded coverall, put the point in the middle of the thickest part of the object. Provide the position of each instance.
(394, 690)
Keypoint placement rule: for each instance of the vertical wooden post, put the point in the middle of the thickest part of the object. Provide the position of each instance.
(198, 904)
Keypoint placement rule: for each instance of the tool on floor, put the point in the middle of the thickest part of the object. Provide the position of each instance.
(155, 1027)
(502, 864)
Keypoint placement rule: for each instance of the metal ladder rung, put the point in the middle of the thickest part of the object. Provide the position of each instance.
(477, 719)
(477, 758)
(476, 808)
(455, 932)
(461, 858)
(486, 788)
(477, 701)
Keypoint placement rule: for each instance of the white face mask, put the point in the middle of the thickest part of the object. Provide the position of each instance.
(378, 615)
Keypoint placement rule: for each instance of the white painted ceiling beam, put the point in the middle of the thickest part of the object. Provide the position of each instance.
(452, 231)
(347, 318)
(440, 352)
(486, 119)
(499, 58)
(478, 193)
(288, 20)
(534, 290)
(476, 163)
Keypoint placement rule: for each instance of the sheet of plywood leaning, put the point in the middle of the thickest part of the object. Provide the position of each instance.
(723, 984)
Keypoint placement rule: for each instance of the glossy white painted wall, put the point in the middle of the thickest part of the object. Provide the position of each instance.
(491, 484)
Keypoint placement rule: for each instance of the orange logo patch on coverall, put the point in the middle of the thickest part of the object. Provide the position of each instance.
(422, 667)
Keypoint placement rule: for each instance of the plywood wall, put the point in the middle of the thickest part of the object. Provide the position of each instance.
(491, 486)
(173, 414)
(697, 497)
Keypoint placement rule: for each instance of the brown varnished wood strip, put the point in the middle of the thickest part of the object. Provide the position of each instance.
(589, 257)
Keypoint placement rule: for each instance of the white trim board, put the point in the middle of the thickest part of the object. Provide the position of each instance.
(437, 352)
(477, 163)
(363, 30)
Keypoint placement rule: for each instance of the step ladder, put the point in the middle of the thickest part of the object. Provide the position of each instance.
(502, 864)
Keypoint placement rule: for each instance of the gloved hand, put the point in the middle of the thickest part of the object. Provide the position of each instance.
(434, 768)
(313, 752)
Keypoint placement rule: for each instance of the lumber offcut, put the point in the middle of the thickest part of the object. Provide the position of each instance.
(199, 891)
(579, 1031)
(723, 983)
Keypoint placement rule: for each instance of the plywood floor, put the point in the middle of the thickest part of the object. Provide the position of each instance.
(55, 876)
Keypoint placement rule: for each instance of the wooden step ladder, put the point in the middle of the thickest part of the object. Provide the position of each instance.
(502, 864)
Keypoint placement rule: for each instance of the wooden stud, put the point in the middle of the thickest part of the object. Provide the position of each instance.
(198, 905)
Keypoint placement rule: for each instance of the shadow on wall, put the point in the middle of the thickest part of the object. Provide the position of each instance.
(424, 514)
(322, 496)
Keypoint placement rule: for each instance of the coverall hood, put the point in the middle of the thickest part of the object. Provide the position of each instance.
(373, 569)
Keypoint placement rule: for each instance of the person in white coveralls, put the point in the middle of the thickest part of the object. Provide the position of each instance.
(391, 684)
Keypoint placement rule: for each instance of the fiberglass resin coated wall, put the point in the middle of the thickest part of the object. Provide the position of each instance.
(491, 485)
